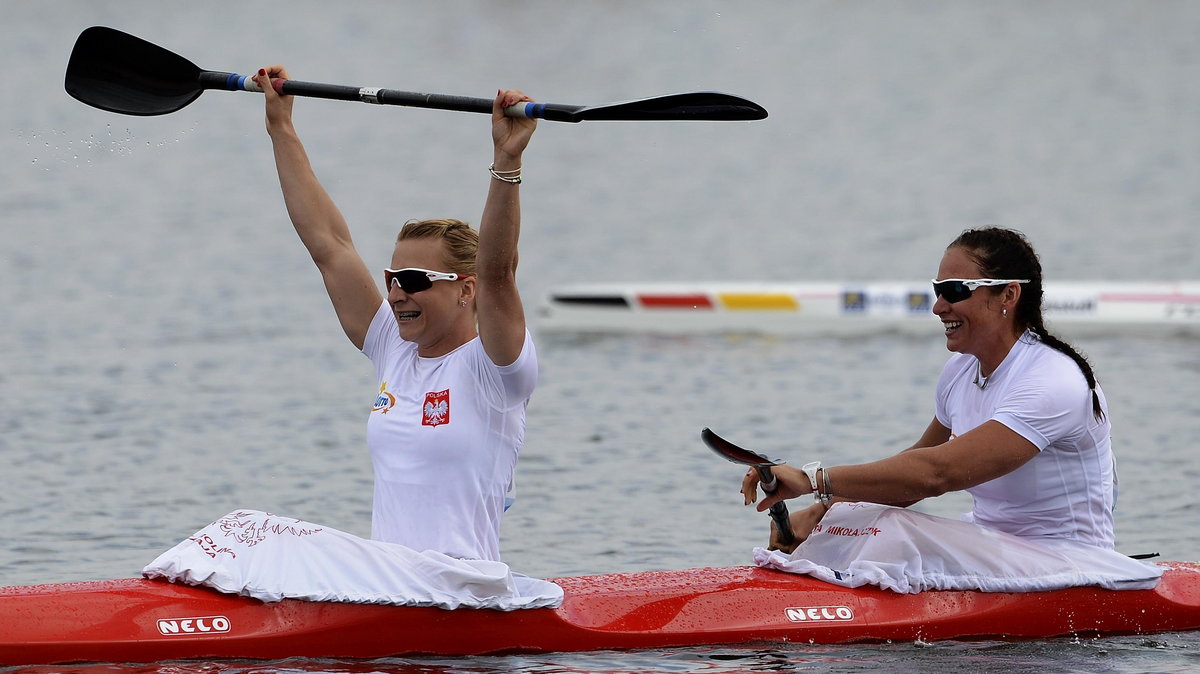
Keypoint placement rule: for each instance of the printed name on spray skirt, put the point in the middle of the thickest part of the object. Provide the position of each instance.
(199, 625)
(808, 614)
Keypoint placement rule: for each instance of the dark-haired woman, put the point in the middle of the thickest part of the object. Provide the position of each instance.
(1020, 421)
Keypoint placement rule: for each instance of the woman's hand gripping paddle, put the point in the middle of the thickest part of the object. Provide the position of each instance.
(745, 457)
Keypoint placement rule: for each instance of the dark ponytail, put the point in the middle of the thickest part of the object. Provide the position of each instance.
(1006, 253)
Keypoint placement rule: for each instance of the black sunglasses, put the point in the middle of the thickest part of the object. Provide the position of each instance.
(414, 280)
(958, 289)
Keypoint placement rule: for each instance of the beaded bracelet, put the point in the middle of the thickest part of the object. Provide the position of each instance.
(512, 177)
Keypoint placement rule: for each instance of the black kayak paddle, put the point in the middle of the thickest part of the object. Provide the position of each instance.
(118, 72)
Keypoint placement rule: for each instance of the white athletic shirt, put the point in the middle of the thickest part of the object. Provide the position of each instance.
(444, 435)
(1068, 489)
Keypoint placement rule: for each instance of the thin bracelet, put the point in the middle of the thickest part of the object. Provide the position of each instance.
(828, 495)
(512, 177)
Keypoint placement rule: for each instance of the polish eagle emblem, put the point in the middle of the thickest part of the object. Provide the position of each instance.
(436, 410)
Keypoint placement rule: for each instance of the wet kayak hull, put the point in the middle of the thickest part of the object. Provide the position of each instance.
(140, 620)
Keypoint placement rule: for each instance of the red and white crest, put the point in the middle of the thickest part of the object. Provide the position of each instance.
(436, 410)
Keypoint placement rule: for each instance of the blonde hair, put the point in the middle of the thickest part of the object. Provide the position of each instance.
(461, 241)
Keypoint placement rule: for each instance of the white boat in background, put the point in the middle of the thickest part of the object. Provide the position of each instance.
(847, 308)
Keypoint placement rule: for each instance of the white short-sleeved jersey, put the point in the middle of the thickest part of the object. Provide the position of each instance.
(444, 435)
(1068, 489)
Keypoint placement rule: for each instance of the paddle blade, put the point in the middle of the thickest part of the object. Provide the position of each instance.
(118, 72)
(709, 106)
(732, 452)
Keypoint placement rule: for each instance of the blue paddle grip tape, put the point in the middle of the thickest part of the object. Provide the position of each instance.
(235, 82)
(536, 110)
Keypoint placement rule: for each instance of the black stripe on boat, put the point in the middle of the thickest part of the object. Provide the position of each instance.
(593, 300)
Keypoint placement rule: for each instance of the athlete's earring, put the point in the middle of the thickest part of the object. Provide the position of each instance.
(1004, 313)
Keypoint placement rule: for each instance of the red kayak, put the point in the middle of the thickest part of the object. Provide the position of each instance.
(139, 620)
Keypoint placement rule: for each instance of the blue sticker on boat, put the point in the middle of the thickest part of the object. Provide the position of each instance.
(919, 303)
(854, 301)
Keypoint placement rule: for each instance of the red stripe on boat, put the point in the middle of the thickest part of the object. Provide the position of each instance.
(675, 301)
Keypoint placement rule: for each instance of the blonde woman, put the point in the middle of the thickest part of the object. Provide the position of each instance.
(455, 361)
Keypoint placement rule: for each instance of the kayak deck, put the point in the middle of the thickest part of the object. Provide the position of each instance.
(140, 620)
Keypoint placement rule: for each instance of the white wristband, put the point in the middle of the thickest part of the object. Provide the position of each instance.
(810, 469)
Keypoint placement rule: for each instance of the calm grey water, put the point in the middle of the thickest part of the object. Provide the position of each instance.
(169, 353)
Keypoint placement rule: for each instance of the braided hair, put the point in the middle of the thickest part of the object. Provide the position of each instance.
(1006, 253)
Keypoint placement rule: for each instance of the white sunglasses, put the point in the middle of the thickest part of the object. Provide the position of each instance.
(958, 289)
(414, 279)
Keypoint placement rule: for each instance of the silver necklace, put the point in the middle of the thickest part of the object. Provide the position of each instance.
(980, 380)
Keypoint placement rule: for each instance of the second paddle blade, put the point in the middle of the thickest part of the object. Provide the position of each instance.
(708, 106)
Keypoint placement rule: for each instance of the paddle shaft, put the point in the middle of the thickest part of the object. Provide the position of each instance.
(210, 79)
(778, 511)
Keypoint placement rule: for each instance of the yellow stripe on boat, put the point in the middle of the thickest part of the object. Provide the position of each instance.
(758, 302)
